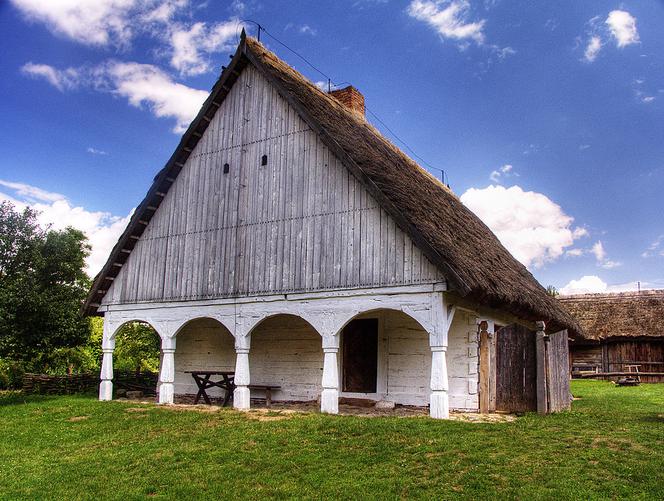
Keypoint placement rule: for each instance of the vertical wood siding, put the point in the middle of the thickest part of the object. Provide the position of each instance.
(300, 223)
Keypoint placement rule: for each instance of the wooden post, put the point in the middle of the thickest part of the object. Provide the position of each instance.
(540, 353)
(329, 397)
(493, 339)
(487, 364)
(485, 367)
(167, 371)
(242, 393)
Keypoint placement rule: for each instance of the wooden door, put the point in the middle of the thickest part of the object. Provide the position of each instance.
(516, 369)
(360, 356)
(557, 372)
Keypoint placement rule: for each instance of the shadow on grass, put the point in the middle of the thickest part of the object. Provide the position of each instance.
(17, 397)
(653, 418)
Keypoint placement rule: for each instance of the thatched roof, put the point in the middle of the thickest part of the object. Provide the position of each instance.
(470, 256)
(624, 314)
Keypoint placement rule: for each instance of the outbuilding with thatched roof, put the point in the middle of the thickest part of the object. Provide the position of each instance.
(287, 235)
(622, 332)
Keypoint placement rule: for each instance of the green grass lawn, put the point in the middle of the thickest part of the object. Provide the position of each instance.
(610, 446)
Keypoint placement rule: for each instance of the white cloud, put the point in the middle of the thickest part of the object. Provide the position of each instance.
(593, 48)
(598, 250)
(531, 226)
(655, 249)
(623, 27)
(144, 84)
(506, 170)
(102, 228)
(305, 29)
(61, 80)
(592, 284)
(584, 285)
(141, 84)
(95, 151)
(619, 25)
(164, 12)
(91, 22)
(449, 18)
(192, 45)
(31, 193)
(600, 256)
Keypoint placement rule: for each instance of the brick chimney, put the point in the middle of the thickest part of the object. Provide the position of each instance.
(351, 98)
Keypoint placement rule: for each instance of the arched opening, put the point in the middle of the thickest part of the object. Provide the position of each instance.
(286, 351)
(136, 360)
(385, 355)
(202, 344)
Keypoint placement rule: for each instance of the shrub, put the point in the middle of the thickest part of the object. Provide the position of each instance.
(11, 375)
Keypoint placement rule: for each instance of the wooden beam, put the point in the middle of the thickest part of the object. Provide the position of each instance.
(485, 367)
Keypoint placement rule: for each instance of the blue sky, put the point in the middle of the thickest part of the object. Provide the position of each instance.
(548, 117)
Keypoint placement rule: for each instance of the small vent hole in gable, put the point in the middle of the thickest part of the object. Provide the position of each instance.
(264, 160)
(227, 168)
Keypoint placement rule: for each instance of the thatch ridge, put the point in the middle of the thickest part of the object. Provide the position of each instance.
(615, 315)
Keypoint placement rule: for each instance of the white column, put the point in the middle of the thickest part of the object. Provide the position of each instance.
(106, 385)
(329, 398)
(242, 394)
(439, 405)
(167, 371)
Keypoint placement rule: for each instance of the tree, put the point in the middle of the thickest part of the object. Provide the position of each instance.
(42, 285)
(552, 291)
(137, 348)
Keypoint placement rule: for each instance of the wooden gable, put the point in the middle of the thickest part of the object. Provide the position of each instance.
(262, 206)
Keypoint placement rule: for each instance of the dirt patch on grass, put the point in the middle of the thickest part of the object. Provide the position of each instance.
(137, 409)
(287, 410)
(76, 419)
(272, 415)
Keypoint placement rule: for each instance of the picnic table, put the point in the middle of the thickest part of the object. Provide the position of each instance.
(204, 382)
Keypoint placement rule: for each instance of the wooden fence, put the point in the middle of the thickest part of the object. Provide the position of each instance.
(44, 384)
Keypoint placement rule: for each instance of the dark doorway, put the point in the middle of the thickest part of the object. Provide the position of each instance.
(360, 356)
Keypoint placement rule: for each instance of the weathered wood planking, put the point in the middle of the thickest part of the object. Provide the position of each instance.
(557, 377)
(516, 369)
(300, 223)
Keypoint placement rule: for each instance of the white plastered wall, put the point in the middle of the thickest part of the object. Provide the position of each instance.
(202, 344)
(286, 351)
(463, 362)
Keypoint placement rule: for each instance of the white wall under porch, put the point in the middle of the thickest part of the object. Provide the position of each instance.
(327, 313)
(202, 344)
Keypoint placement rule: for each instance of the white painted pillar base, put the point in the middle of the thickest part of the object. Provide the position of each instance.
(166, 393)
(439, 405)
(329, 397)
(106, 390)
(167, 372)
(106, 376)
(329, 401)
(242, 394)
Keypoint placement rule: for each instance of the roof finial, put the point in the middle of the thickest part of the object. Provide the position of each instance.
(243, 35)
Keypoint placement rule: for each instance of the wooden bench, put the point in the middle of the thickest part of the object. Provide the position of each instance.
(267, 388)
